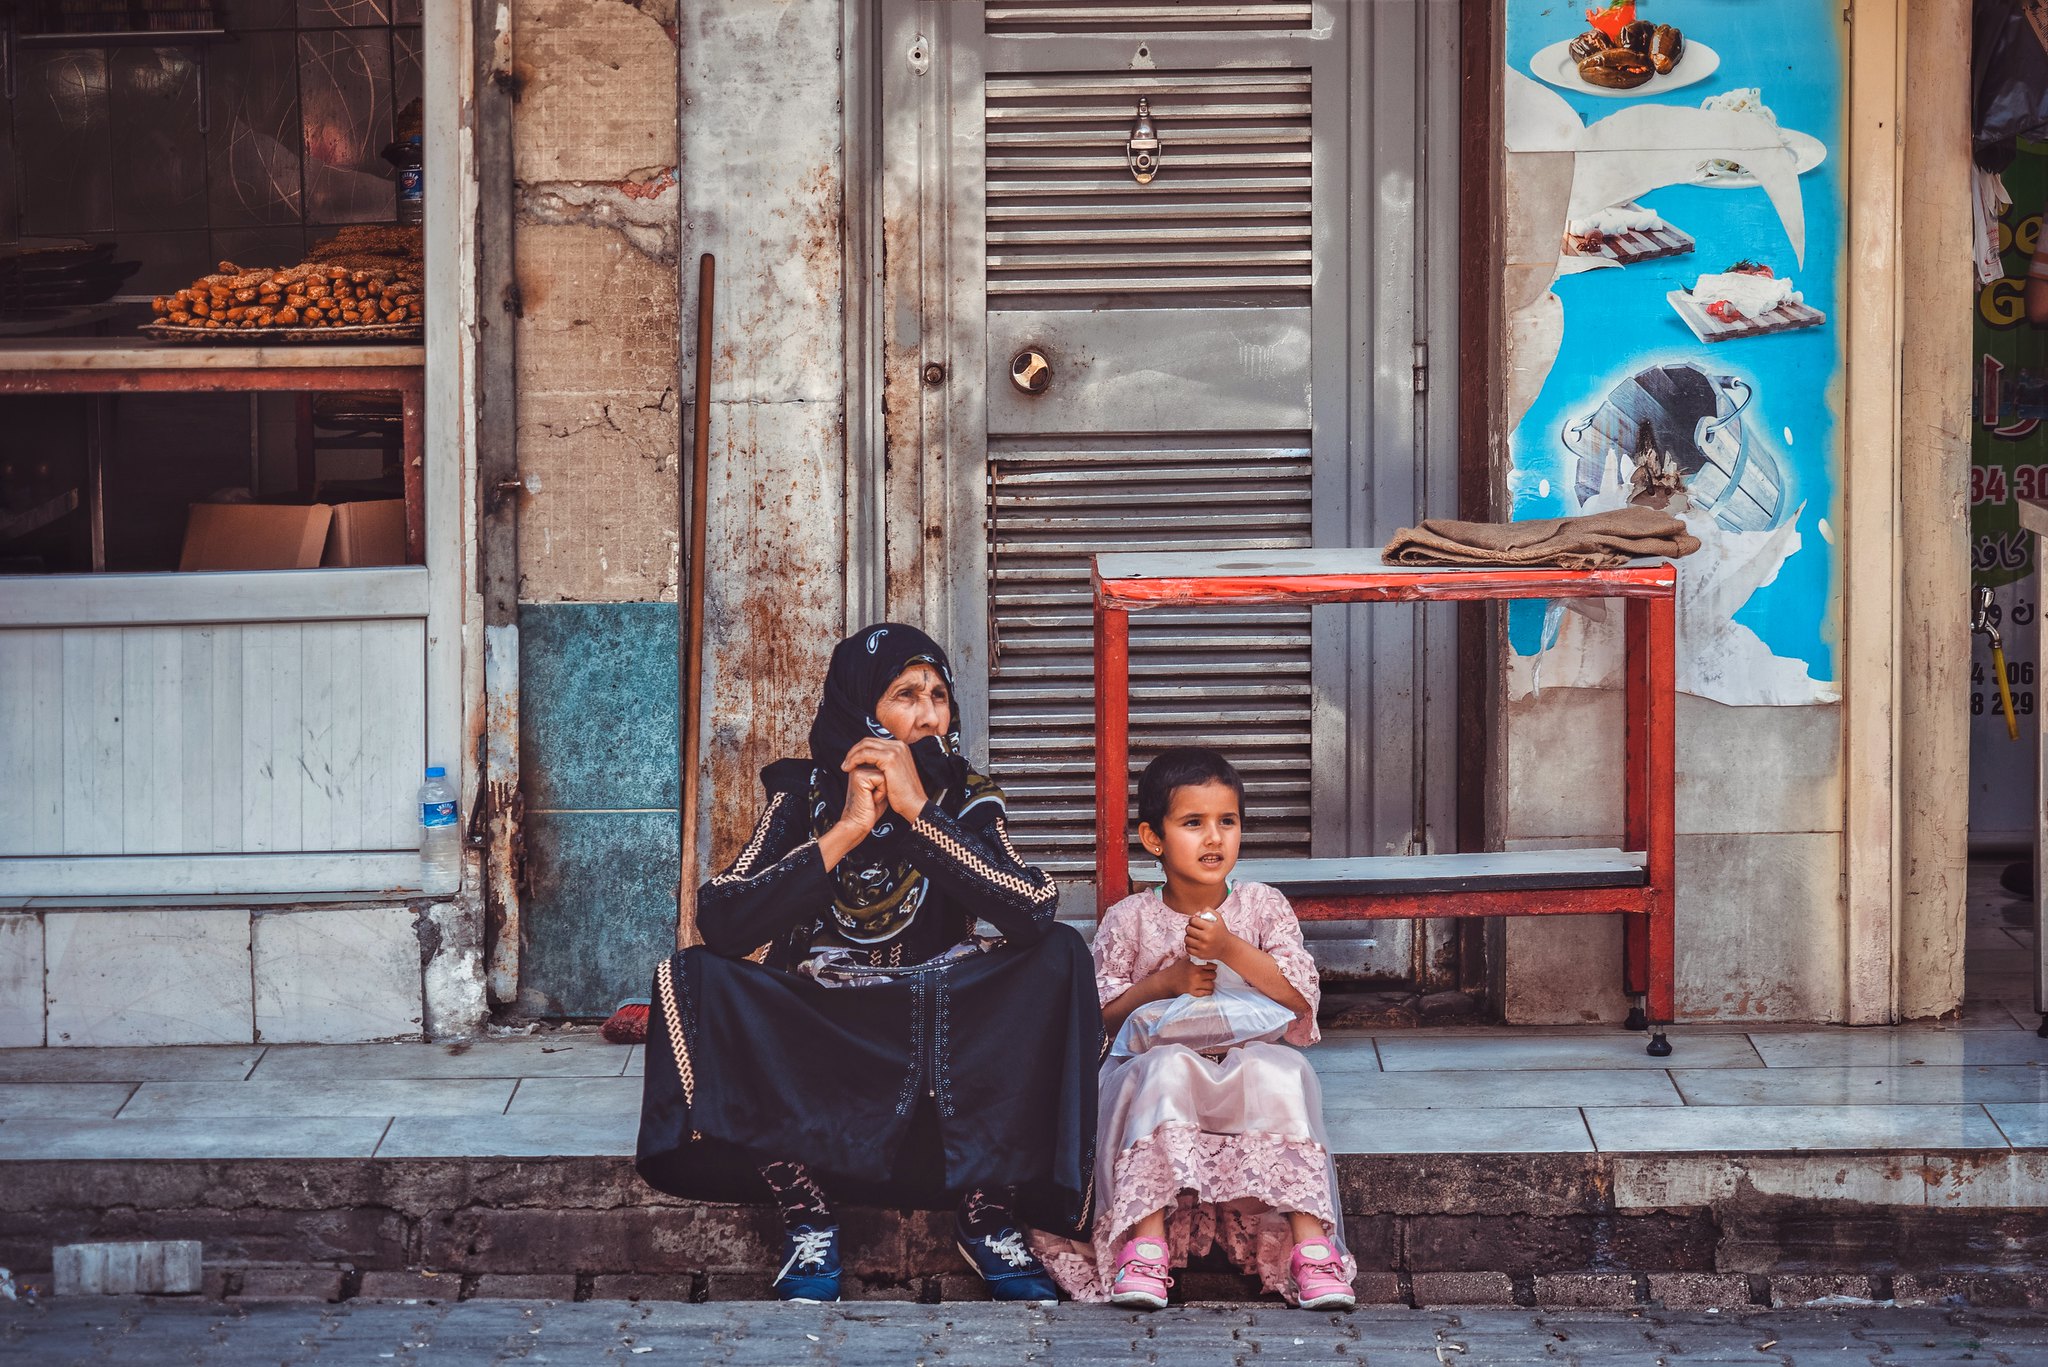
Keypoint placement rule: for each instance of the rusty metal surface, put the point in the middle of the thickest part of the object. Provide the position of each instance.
(761, 152)
(499, 489)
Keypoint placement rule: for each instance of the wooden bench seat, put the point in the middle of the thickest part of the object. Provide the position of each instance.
(1423, 875)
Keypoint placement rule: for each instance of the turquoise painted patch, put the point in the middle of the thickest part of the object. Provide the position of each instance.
(600, 908)
(597, 705)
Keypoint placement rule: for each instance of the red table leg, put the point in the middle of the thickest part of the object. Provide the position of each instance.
(1635, 801)
(1112, 757)
(1662, 723)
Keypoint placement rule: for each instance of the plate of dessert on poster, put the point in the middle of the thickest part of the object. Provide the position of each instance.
(1622, 55)
(1625, 233)
(1749, 299)
(1723, 173)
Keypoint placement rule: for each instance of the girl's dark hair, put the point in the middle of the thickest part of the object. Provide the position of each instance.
(1184, 766)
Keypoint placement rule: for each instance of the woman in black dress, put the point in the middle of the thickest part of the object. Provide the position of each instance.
(843, 1033)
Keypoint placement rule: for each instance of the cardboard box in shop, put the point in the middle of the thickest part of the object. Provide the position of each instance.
(293, 536)
(255, 536)
(367, 533)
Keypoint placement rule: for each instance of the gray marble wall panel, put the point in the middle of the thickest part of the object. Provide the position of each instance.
(60, 127)
(255, 145)
(10, 202)
(343, 13)
(408, 76)
(236, 15)
(109, 143)
(345, 111)
(159, 152)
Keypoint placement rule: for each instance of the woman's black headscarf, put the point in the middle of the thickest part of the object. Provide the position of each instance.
(878, 893)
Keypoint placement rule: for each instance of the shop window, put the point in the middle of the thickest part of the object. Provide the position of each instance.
(146, 144)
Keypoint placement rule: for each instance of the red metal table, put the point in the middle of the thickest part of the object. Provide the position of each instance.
(1634, 883)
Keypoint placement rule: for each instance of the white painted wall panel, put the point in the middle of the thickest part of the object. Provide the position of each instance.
(186, 740)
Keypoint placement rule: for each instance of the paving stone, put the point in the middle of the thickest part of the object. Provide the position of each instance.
(635, 1286)
(1462, 1288)
(1416, 1050)
(532, 1286)
(148, 1267)
(559, 1054)
(740, 1286)
(1585, 1288)
(509, 1136)
(962, 1287)
(21, 982)
(1740, 1129)
(1796, 1289)
(857, 1288)
(310, 1137)
(148, 977)
(1477, 1129)
(295, 1284)
(1699, 1290)
(409, 1286)
(580, 1095)
(1227, 1287)
(198, 1063)
(1378, 1288)
(1990, 1290)
(99, 1100)
(300, 996)
(323, 1096)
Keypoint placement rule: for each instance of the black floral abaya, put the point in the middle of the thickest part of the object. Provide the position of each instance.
(949, 1073)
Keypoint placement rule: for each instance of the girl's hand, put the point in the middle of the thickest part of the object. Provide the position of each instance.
(1186, 978)
(899, 772)
(865, 794)
(1209, 939)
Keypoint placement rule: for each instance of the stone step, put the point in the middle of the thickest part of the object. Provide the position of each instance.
(1427, 1228)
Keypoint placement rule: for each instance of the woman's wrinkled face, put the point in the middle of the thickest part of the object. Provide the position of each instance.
(916, 704)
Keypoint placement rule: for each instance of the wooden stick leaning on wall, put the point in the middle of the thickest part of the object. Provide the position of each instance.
(693, 647)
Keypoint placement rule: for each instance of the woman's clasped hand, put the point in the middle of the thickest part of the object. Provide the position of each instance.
(895, 770)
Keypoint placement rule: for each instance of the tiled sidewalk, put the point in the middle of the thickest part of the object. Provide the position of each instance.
(1979, 1083)
(1468, 1090)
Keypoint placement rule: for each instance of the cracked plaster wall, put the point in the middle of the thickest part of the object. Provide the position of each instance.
(594, 163)
(615, 196)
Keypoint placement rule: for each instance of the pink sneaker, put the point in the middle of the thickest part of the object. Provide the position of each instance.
(1141, 1278)
(1319, 1278)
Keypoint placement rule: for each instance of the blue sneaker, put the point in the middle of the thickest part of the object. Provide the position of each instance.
(810, 1272)
(1012, 1271)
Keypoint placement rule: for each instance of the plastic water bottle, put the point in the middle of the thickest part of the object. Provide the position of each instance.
(440, 842)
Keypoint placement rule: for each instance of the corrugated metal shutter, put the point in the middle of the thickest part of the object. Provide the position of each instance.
(1055, 17)
(1238, 681)
(1228, 214)
(1072, 237)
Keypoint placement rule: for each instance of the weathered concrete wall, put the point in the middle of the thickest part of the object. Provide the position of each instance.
(1760, 934)
(761, 82)
(1934, 421)
(598, 412)
(594, 139)
(617, 196)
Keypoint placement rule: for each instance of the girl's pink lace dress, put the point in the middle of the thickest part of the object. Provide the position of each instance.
(1227, 1145)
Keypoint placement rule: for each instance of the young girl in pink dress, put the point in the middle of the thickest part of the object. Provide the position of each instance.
(1223, 1148)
